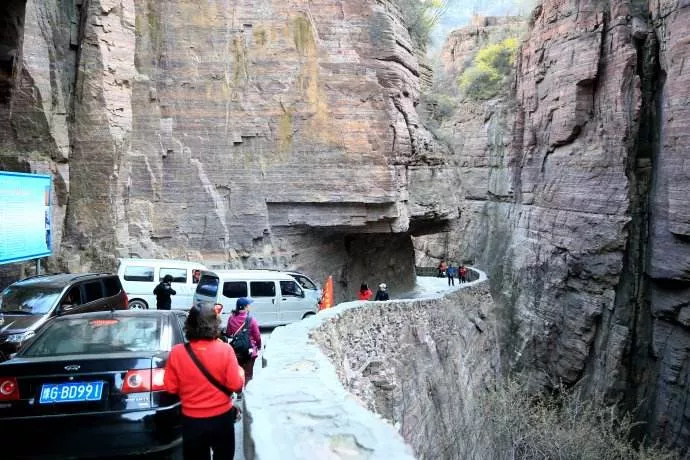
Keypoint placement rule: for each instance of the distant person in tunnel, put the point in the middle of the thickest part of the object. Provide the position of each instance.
(364, 292)
(442, 268)
(163, 292)
(462, 274)
(382, 292)
(451, 272)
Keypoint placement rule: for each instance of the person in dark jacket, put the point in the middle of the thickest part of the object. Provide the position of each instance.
(382, 292)
(163, 292)
(208, 415)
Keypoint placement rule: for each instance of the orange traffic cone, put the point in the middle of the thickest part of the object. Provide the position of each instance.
(327, 297)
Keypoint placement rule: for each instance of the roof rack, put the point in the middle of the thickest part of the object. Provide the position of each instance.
(39, 276)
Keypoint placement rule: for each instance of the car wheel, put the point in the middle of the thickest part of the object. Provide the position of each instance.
(138, 305)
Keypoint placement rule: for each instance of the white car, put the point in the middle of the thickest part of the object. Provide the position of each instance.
(278, 297)
(139, 277)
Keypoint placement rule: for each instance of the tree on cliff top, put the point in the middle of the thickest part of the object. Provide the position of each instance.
(491, 66)
(421, 16)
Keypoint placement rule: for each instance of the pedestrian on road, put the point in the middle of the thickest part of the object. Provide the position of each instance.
(364, 292)
(204, 373)
(245, 336)
(451, 275)
(163, 291)
(442, 267)
(382, 293)
(463, 273)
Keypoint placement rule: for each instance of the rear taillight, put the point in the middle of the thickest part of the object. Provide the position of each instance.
(124, 300)
(9, 390)
(143, 380)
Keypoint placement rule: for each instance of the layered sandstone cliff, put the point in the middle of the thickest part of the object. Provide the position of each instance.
(576, 191)
(246, 133)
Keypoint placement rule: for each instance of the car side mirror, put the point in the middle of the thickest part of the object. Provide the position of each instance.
(64, 308)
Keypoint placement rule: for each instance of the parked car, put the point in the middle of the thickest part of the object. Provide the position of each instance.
(92, 384)
(140, 276)
(26, 305)
(310, 287)
(278, 297)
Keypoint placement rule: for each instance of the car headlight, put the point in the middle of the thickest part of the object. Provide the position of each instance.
(19, 338)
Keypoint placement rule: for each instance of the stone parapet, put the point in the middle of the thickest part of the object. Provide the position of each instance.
(297, 406)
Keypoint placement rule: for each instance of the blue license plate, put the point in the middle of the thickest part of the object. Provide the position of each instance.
(71, 392)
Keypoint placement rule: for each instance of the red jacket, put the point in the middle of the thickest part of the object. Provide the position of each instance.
(200, 399)
(365, 295)
(234, 323)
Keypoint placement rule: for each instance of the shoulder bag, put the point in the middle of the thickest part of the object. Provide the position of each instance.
(212, 379)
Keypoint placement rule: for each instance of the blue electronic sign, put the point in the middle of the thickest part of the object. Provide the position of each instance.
(25, 217)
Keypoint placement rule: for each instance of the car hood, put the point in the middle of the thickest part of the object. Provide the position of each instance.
(15, 324)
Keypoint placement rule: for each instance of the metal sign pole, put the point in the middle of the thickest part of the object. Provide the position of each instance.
(38, 266)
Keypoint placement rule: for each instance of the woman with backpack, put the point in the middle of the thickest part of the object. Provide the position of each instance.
(244, 336)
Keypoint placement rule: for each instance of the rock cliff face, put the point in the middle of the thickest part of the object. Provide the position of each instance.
(573, 190)
(244, 133)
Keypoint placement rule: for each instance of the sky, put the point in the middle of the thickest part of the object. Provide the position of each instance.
(460, 12)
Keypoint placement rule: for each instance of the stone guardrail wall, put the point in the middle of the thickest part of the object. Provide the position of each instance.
(297, 407)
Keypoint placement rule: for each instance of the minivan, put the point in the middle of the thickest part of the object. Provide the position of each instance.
(278, 297)
(28, 304)
(139, 277)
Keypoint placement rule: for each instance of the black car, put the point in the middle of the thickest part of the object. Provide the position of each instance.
(25, 306)
(91, 385)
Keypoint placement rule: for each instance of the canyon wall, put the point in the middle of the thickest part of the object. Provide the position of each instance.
(573, 181)
(252, 134)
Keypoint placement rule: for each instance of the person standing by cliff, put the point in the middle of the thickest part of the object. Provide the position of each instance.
(451, 274)
(245, 336)
(364, 292)
(442, 268)
(382, 292)
(204, 373)
(163, 292)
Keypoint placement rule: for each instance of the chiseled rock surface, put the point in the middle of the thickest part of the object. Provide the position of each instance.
(669, 234)
(339, 384)
(231, 132)
(574, 203)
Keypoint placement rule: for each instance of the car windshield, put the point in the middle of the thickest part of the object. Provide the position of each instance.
(32, 299)
(98, 336)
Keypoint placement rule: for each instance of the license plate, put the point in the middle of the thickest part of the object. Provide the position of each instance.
(71, 392)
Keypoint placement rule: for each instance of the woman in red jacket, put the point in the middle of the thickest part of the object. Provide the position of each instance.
(208, 416)
(364, 292)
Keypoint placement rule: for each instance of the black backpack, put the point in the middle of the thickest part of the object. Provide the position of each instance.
(240, 342)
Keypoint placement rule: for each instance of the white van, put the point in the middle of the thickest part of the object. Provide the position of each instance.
(139, 277)
(278, 297)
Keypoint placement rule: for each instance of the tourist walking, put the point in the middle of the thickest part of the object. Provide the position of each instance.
(204, 373)
(382, 292)
(244, 336)
(462, 274)
(163, 291)
(451, 275)
(442, 267)
(364, 292)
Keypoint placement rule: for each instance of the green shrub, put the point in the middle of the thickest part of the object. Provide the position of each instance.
(491, 66)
